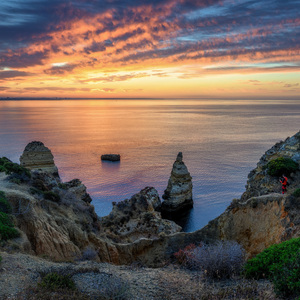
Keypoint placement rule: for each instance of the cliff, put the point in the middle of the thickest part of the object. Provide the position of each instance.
(57, 219)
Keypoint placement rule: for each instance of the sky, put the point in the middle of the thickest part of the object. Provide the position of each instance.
(150, 49)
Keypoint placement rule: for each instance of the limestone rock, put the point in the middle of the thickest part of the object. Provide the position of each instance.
(178, 195)
(111, 157)
(259, 182)
(137, 218)
(38, 157)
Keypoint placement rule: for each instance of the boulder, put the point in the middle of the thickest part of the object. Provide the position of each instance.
(38, 157)
(111, 157)
(178, 196)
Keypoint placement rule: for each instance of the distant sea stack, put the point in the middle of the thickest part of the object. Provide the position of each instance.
(111, 157)
(178, 197)
(37, 156)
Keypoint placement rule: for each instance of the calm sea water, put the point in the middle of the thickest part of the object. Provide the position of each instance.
(221, 142)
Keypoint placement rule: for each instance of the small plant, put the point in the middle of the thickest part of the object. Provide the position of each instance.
(183, 256)
(49, 195)
(297, 193)
(282, 165)
(54, 281)
(88, 254)
(0, 258)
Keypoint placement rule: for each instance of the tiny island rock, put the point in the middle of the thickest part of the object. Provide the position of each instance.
(111, 157)
(178, 196)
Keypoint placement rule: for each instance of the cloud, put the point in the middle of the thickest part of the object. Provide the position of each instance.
(12, 74)
(59, 70)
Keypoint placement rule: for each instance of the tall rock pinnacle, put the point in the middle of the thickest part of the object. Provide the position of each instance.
(178, 194)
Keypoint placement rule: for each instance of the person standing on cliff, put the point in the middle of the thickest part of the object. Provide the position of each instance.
(283, 181)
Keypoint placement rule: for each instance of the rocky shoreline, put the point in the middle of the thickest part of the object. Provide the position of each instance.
(56, 219)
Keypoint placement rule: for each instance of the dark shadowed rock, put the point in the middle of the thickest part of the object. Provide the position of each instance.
(111, 157)
(178, 196)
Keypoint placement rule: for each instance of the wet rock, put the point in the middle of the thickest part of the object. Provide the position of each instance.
(111, 157)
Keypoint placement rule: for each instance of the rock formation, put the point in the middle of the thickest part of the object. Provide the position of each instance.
(38, 157)
(111, 157)
(136, 218)
(259, 182)
(178, 194)
(56, 219)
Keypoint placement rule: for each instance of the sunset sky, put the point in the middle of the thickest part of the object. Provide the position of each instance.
(150, 48)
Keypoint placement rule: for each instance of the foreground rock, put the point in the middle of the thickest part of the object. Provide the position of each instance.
(111, 157)
(136, 218)
(178, 197)
(38, 157)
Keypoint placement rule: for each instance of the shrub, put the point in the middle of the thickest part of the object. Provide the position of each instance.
(275, 256)
(183, 256)
(5, 219)
(221, 260)
(54, 281)
(89, 254)
(7, 232)
(9, 167)
(297, 193)
(49, 195)
(0, 258)
(4, 205)
(286, 277)
(282, 165)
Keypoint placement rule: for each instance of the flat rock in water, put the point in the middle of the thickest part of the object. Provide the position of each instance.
(110, 157)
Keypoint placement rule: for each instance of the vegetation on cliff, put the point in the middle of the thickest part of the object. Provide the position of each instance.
(18, 174)
(281, 264)
(7, 230)
(282, 165)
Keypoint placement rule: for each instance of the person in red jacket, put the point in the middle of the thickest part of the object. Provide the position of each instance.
(283, 181)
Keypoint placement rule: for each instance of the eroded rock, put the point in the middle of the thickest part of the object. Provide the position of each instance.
(178, 196)
(38, 157)
(137, 218)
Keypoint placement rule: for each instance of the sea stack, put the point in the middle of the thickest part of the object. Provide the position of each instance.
(36, 156)
(178, 197)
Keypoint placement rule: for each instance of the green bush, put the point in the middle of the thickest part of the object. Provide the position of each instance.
(279, 263)
(4, 205)
(8, 232)
(49, 195)
(282, 165)
(262, 264)
(54, 281)
(5, 219)
(297, 193)
(18, 174)
(0, 258)
(286, 278)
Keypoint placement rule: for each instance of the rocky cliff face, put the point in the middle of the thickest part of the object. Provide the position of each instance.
(137, 218)
(259, 182)
(36, 156)
(178, 196)
(57, 220)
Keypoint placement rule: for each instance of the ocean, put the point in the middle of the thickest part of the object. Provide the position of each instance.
(221, 142)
